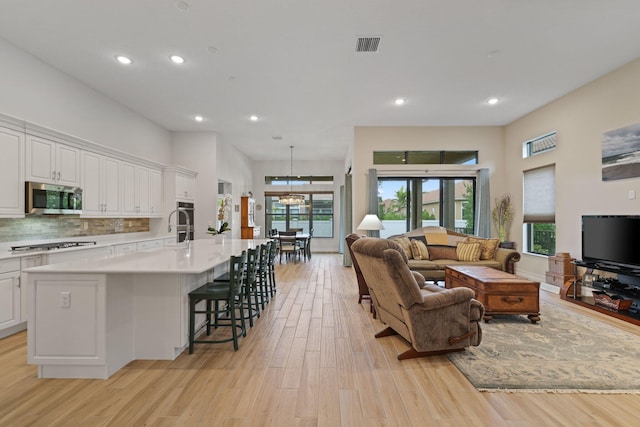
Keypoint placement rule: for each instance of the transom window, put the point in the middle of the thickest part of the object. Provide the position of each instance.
(539, 145)
(298, 180)
(425, 157)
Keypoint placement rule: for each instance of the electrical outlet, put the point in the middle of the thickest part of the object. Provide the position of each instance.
(65, 299)
(632, 194)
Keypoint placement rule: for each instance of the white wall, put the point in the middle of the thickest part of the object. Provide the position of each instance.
(234, 167)
(580, 118)
(305, 167)
(36, 92)
(198, 151)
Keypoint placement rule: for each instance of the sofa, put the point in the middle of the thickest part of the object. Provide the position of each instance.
(430, 249)
(432, 319)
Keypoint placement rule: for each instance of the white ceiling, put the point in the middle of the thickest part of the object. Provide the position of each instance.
(293, 62)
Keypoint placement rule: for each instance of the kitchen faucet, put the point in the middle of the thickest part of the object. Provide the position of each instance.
(188, 233)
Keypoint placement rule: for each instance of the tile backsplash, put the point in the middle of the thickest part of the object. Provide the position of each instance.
(56, 226)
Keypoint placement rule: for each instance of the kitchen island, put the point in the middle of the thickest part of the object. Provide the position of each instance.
(89, 318)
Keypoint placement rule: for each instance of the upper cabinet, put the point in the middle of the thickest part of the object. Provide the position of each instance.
(179, 185)
(100, 183)
(155, 193)
(141, 191)
(52, 162)
(11, 173)
(185, 186)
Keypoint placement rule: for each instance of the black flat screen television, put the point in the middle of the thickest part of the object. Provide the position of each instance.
(611, 241)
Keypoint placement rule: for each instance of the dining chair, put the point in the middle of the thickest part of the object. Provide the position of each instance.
(287, 244)
(305, 245)
(231, 294)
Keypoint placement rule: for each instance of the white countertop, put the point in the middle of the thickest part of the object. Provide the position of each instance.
(101, 241)
(202, 256)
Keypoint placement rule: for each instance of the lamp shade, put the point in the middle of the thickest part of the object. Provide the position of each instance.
(371, 222)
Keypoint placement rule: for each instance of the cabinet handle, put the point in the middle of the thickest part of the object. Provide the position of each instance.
(18, 281)
(58, 176)
(53, 175)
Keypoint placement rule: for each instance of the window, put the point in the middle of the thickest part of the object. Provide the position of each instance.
(316, 214)
(539, 145)
(425, 157)
(298, 180)
(540, 210)
(408, 203)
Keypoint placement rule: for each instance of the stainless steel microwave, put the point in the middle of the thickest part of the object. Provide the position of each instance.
(52, 199)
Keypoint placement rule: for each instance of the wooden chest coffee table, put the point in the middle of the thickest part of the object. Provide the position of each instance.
(498, 291)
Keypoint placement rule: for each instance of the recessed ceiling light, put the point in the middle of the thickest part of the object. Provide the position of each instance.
(253, 118)
(198, 118)
(493, 101)
(124, 59)
(399, 101)
(177, 59)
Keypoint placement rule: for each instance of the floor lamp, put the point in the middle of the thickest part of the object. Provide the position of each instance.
(370, 223)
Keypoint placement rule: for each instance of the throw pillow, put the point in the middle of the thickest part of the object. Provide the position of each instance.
(468, 251)
(405, 244)
(488, 247)
(436, 235)
(419, 249)
(442, 252)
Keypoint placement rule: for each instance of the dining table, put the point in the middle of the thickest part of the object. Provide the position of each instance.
(302, 240)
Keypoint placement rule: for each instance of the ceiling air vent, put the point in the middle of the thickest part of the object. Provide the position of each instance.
(367, 44)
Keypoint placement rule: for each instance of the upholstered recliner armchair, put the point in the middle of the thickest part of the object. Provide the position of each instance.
(434, 320)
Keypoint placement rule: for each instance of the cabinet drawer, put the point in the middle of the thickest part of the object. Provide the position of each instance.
(557, 279)
(516, 303)
(7, 265)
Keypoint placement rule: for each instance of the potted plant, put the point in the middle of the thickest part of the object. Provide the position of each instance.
(502, 215)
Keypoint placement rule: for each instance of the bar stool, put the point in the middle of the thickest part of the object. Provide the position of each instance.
(250, 285)
(230, 294)
(272, 269)
(263, 272)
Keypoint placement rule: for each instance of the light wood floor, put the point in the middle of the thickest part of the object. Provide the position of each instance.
(311, 360)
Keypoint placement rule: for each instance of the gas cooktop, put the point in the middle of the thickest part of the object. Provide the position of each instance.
(50, 246)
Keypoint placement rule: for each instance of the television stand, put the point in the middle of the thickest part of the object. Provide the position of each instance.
(626, 287)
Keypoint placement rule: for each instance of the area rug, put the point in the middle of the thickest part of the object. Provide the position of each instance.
(564, 352)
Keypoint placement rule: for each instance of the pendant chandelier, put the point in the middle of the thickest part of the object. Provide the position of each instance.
(290, 198)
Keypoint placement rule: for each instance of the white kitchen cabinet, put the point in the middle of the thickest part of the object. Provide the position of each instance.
(136, 184)
(11, 173)
(100, 185)
(185, 186)
(52, 162)
(10, 295)
(155, 190)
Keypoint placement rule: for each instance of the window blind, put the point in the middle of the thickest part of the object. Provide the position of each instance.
(540, 195)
